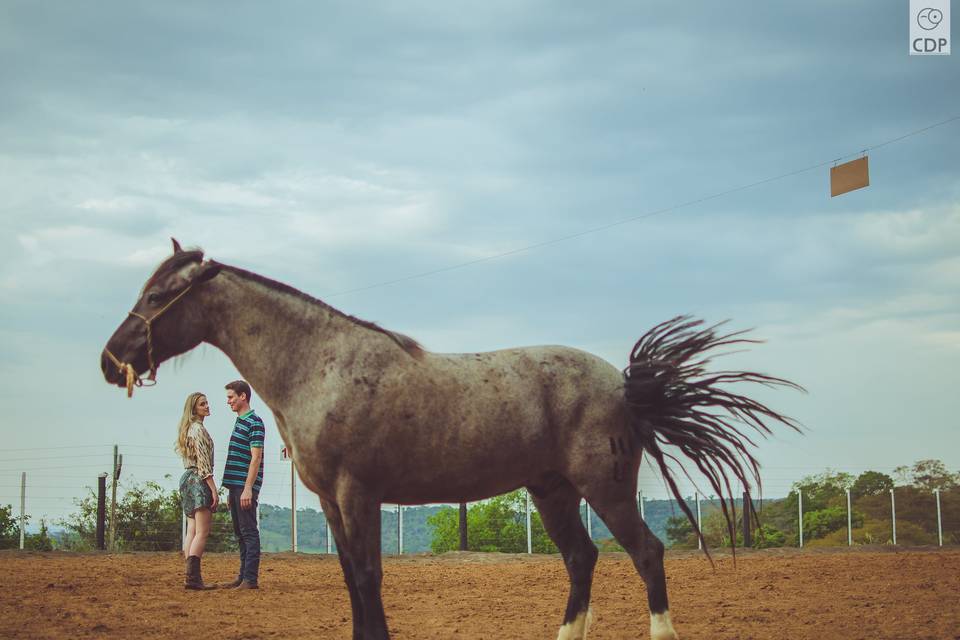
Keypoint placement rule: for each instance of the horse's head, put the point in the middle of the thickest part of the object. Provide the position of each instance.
(164, 322)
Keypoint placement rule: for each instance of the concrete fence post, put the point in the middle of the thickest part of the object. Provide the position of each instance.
(893, 515)
(23, 506)
(936, 492)
(293, 507)
(589, 525)
(327, 522)
(800, 510)
(849, 522)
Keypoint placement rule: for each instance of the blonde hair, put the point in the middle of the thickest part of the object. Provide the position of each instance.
(189, 417)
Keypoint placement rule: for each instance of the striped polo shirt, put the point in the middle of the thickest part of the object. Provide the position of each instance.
(247, 433)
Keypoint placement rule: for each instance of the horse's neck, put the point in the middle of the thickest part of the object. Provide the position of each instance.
(275, 338)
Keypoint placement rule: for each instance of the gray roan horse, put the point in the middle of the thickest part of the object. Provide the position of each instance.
(371, 417)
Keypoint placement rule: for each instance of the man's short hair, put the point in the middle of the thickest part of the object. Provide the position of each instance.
(239, 387)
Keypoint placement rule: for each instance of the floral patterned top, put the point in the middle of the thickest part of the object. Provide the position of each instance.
(199, 452)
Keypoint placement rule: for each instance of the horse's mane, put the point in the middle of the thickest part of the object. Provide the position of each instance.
(407, 343)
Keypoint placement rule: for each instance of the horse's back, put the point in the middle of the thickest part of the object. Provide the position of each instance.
(551, 378)
(516, 414)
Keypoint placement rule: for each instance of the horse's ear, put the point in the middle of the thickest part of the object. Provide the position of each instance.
(176, 246)
(205, 271)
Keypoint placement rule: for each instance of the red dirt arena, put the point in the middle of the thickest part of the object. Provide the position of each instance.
(868, 593)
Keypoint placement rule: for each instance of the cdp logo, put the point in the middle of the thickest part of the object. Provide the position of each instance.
(929, 27)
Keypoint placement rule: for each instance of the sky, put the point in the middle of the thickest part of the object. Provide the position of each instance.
(481, 177)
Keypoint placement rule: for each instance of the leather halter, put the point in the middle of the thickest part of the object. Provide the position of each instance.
(125, 368)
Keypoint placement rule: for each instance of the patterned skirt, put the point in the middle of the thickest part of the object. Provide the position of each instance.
(194, 492)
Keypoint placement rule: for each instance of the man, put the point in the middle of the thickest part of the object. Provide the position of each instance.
(243, 477)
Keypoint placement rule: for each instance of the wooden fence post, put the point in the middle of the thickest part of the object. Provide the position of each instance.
(463, 526)
(101, 508)
(747, 520)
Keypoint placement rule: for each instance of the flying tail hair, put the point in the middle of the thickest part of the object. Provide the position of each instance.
(672, 401)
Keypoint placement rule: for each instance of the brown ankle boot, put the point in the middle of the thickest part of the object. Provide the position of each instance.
(194, 581)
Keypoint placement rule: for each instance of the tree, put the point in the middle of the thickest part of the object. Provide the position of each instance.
(871, 483)
(680, 532)
(497, 524)
(716, 532)
(822, 490)
(928, 475)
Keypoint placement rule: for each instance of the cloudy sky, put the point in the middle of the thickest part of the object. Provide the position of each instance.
(648, 159)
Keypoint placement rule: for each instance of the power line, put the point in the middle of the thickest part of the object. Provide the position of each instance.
(76, 446)
(44, 458)
(642, 216)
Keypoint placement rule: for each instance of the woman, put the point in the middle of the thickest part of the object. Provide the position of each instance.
(198, 491)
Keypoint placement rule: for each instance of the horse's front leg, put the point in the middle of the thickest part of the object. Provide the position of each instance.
(332, 513)
(360, 515)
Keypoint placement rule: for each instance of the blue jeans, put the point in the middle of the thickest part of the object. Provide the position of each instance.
(248, 536)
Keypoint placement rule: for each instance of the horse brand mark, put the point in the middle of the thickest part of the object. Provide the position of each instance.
(626, 452)
(617, 472)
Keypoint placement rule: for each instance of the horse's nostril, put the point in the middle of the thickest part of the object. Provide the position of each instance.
(110, 372)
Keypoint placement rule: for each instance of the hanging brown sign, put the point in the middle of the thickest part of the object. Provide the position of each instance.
(849, 176)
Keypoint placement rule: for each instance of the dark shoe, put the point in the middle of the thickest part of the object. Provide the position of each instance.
(230, 585)
(245, 585)
(194, 581)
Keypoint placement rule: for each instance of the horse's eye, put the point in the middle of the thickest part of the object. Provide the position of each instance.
(153, 298)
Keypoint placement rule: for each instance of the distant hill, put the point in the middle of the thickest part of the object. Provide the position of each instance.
(417, 534)
(312, 530)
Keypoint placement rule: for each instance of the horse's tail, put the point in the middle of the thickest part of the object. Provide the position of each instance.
(672, 400)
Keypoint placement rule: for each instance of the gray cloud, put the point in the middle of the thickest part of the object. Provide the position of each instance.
(339, 146)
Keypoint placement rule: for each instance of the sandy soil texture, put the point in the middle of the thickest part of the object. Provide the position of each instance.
(869, 594)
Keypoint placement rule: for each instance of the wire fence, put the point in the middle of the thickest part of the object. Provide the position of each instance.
(55, 496)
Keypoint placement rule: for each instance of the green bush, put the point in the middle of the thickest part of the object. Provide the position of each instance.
(497, 524)
(9, 528)
(817, 524)
(148, 518)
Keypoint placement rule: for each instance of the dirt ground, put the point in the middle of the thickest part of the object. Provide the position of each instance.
(865, 593)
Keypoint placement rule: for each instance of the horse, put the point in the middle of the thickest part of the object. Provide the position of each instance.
(370, 416)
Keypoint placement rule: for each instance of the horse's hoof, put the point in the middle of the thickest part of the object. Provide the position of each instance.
(661, 628)
(577, 629)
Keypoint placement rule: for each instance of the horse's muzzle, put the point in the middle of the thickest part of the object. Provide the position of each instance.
(111, 373)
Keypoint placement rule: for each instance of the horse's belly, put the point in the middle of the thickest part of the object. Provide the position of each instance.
(466, 474)
(446, 492)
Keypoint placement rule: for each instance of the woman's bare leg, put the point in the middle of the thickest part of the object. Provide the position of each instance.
(191, 533)
(199, 542)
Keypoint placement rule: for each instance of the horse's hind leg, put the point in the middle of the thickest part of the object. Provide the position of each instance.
(622, 518)
(559, 508)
